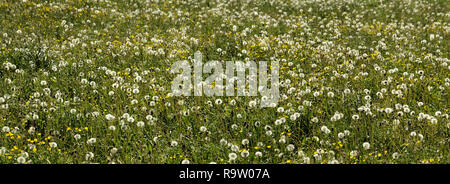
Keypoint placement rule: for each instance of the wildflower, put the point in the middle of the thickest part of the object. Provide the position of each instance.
(89, 156)
(114, 150)
(234, 148)
(334, 161)
(325, 129)
(53, 144)
(280, 109)
(330, 94)
(354, 153)
(77, 136)
(433, 121)
(24, 155)
(223, 141)
(185, 161)
(218, 101)
(5, 129)
(245, 141)
(366, 145)
(244, 154)
(232, 156)
(252, 104)
(91, 141)
(21, 160)
(112, 128)
(174, 143)
(140, 124)
(388, 110)
(395, 155)
(2, 150)
(306, 160)
(109, 117)
(258, 154)
(290, 147)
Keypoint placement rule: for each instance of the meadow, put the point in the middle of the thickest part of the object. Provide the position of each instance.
(89, 81)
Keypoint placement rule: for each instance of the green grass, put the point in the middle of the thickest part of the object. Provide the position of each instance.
(323, 47)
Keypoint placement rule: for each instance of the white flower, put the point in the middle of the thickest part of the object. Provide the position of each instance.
(174, 143)
(218, 101)
(346, 132)
(244, 153)
(334, 161)
(280, 109)
(252, 103)
(395, 155)
(112, 128)
(232, 156)
(24, 155)
(134, 101)
(245, 141)
(258, 154)
(433, 121)
(140, 124)
(223, 141)
(110, 117)
(366, 145)
(203, 129)
(21, 160)
(114, 150)
(316, 94)
(2, 150)
(330, 94)
(77, 136)
(234, 148)
(185, 161)
(290, 147)
(5, 129)
(92, 141)
(306, 160)
(53, 144)
(278, 122)
(325, 129)
(388, 110)
(89, 156)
